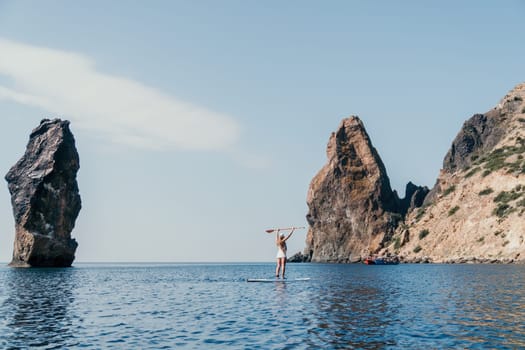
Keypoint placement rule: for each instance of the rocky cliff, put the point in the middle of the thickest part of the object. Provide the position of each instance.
(352, 208)
(475, 211)
(45, 197)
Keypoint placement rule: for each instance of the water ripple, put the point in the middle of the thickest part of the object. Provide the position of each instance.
(210, 306)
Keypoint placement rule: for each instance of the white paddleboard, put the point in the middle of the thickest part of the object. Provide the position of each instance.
(277, 280)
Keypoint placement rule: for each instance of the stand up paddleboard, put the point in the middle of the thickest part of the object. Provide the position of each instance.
(277, 280)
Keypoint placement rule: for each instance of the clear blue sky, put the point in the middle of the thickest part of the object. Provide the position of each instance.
(201, 123)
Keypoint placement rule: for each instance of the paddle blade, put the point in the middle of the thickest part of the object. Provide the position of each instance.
(269, 231)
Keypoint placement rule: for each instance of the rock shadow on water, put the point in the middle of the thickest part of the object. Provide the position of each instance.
(37, 310)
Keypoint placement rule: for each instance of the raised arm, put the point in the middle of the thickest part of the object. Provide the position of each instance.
(293, 229)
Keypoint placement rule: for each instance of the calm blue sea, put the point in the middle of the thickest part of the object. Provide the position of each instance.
(202, 306)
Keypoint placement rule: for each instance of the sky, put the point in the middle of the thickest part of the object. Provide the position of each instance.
(200, 124)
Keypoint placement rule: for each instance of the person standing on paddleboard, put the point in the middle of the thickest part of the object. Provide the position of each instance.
(280, 240)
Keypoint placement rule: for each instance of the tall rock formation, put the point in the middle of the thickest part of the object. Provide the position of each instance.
(476, 210)
(45, 197)
(352, 208)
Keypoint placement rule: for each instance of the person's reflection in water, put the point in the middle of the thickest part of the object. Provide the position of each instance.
(352, 315)
(36, 309)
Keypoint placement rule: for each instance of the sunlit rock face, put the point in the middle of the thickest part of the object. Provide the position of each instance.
(352, 208)
(476, 210)
(45, 197)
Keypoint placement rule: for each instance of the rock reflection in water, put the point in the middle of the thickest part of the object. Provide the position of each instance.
(36, 308)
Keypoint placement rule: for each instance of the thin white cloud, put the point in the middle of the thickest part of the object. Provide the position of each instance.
(122, 110)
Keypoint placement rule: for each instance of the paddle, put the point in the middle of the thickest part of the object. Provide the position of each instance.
(282, 229)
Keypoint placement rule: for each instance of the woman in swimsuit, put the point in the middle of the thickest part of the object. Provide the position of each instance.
(280, 240)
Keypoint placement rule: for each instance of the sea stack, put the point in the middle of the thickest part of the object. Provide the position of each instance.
(45, 197)
(352, 209)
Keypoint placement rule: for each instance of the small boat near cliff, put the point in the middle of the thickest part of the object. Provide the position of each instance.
(389, 260)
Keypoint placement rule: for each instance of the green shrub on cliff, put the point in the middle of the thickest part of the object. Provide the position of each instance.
(423, 233)
(449, 190)
(502, 210)
(397, 243)
(472, 172)
(486, 191)
(420, 213)
(496, 160)
(453, 211)
(417, 249)
(506, 197)
(514, 167)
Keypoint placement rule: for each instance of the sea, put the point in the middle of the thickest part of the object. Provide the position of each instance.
(211, 306)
